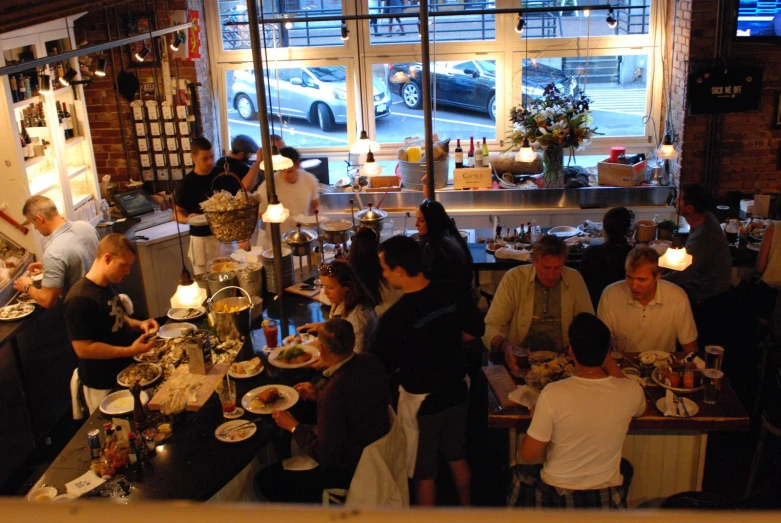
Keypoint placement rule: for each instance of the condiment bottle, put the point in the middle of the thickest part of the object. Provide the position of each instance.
(688, 376)
(139, 411)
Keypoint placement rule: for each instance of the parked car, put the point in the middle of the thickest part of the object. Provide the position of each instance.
(317, 94)
(470, 84)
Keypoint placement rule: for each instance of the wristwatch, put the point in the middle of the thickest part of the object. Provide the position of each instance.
(26, 288)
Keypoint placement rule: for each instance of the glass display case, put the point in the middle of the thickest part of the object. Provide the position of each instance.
(46, 129)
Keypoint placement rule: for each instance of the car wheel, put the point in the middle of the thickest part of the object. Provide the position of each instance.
(410, 93)
(492, 107)
(245, 107)
(325, 117)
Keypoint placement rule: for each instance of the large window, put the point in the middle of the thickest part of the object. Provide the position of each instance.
(480, 69)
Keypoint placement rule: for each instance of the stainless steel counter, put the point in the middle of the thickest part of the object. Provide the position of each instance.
(500, 201)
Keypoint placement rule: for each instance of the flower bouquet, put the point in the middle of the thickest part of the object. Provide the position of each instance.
(552, 122)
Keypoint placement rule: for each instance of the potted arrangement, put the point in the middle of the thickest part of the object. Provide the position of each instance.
(553, 122)
(666, 229)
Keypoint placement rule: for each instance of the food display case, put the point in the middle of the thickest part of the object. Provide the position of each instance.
(45, 136)
(13, 261)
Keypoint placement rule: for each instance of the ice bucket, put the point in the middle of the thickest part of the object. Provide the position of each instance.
(232, 315)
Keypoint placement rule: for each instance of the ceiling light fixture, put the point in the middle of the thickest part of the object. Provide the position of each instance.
(667, 149)
(521, 23)
(68, 77)
(371, 167)
(177, 41)
(611, 19)
(278, 162)
(276, 212)
(142, 53)
(526, 154)
(345, 32)
(100, 68)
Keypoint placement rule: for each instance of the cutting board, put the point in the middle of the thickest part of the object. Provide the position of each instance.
(208, 384)
(501, 383)
(312, 295)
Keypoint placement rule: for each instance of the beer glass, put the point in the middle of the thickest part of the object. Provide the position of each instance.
(711, 381)
(714, 355)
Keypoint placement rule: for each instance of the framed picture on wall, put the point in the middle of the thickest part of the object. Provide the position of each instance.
(777, 118)
(142, 54)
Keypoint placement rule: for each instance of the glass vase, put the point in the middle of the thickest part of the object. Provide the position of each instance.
(553, 166)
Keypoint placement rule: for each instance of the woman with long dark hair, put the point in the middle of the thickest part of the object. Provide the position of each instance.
(365, 259)
(445, 253)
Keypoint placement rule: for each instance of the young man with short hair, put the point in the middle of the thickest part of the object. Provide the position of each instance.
(422, 337)
(103, 336)
(579, 426)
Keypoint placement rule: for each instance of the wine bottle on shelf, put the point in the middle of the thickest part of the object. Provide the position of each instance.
(28, 90)
(23, 145)
(459, 154)
(41, 115)
(478, 156)
(20, 87)
(59, 116)
(12, 82)
(471, 155)
(67, 122)
(485, 153)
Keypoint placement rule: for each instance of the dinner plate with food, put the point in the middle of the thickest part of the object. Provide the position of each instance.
(590, 228)
(25, 298)
(541, 356)
(175, 330)
(294, 356)
(186, 313)
(245, 369)
(554, 370)
(656, 358)
(301, 338)
(268, 398)
(229, 432)
(17, 311)
(120, 402)
(144, 373)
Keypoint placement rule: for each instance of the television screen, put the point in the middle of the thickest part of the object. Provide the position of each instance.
(758, 20)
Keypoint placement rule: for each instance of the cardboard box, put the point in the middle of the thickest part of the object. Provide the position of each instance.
(762, 205)
(383, 184)
(473, 178)
(620, 174)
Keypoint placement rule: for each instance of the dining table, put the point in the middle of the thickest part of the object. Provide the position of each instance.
(193, 464)
(668, 453)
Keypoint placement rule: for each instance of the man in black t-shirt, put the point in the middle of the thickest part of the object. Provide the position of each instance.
(103, 336)
(422, 337)
(238, 160)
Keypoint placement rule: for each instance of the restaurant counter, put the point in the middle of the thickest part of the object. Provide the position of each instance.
(193, 464)
(668, 454)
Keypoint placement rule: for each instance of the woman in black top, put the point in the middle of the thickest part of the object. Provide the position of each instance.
(603, 264)
(445, 253)
(365, 259)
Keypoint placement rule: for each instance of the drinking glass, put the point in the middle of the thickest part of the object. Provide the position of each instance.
(522, 360)
(618, 347)
(711, 381)
(714, 355)
(271, 332)
(228, 399)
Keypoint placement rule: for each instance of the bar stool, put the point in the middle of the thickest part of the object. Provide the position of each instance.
(769, 427)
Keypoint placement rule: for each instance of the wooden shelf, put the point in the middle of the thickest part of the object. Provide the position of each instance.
(27, 101)
(34, 161)
(39, 187)
(75, 171)
(79, 200)
(73, 141)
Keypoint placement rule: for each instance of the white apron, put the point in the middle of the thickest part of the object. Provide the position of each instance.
(407, 416)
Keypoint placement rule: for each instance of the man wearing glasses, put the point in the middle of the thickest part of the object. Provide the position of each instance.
(534, 304)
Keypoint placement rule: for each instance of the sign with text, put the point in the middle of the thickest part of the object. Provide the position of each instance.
(725, 90)
(476, 178)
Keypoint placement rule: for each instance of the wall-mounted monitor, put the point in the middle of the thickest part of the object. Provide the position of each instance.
(758, 21)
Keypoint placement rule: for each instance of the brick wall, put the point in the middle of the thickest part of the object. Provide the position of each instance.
(113, 155)
(746, 145)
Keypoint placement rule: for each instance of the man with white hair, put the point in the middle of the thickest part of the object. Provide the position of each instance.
(70, 250)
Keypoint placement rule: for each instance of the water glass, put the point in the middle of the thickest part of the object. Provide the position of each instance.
(711, 381)
(618, 347)
(714, 355)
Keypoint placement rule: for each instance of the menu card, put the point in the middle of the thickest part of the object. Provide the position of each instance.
(501, 383)
(84, 483)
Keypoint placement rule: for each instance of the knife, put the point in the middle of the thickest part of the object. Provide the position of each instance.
(683, 404)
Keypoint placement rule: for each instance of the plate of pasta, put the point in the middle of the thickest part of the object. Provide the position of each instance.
(547, 372)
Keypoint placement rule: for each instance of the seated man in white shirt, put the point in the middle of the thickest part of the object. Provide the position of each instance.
(579, 426)
(652, 313)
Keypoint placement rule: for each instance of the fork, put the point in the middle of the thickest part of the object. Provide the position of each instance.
(677, 402)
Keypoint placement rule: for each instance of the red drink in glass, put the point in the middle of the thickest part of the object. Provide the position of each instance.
(228, 406)
(271, 332)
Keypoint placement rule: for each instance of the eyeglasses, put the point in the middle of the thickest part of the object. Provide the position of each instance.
(327, 269)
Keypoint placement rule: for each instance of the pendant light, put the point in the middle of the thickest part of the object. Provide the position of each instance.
(363, 145)
(611, 19)
(278, 162)
(667, 149)
(188, 293)
(276, 212)
(526, 154)
(371, 167)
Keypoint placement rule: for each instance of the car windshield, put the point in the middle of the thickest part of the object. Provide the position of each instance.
(489, 66)
(329, 74)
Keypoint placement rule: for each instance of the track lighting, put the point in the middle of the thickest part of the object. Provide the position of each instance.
(45, 83)
(68, 77)
(177, 41)
(100, 69)
(521, 23)
(142, 54)
(611, 19)
(345, 32)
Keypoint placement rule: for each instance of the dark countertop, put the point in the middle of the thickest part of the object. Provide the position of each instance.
(193, 464)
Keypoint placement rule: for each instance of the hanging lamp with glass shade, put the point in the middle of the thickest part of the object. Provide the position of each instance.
(364, 145)
(276, 212)
(188, 293)
(676, 258)
(371, 167)
(278, 162)
(526, 154)
(667, 150)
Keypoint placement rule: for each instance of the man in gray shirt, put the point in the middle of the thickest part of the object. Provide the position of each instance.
(69, 251)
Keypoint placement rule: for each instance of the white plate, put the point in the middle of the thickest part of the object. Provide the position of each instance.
(24, 310)
(179, 313)
(272, 358)
(120, 402)
(634, 375)
(175, 330)
(243, 376)
(143, 383)
(198, 219)
(239, 435)
(289, 398)
(299, 463)
(660, 356)
(691, 407)
(595, 228)
(305, 339)
(563, 231)
(753, 246)
(241, 255)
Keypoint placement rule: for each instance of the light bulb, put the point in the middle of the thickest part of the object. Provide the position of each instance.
(371, 167)
(611, 19)
(526, 154)
(364, 145)
(275, 213)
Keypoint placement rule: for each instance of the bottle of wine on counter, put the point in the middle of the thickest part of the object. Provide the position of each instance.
(459, 154)
(485, 153)
(478, 156)
(67, 122)
(471, 156)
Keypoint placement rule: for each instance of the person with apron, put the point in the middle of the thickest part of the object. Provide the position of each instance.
(420, 337)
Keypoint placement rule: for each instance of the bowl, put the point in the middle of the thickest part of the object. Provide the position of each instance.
(42, 494)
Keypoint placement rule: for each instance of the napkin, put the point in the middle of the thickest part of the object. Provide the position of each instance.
(524, 395)
(84, 483)
(669, 404)
(699, 363)
(507, 253)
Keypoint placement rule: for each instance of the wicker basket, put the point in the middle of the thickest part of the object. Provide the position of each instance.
(234, 225)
